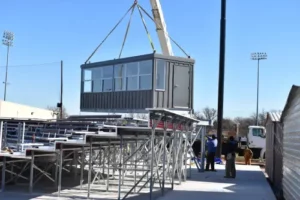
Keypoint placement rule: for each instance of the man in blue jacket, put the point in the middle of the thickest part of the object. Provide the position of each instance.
(211, 152)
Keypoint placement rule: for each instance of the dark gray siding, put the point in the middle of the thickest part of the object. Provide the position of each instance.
(274, 157)
(116, 101)
(291, 148)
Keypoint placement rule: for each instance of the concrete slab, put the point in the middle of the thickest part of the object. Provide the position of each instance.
(249, 184)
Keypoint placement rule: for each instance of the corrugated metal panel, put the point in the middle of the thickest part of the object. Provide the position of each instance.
(278, 160)
(269, 149)
(291, 147)
(116, 101)
(274, 157)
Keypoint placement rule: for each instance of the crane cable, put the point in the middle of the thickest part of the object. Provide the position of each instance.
(131, 7)
(166, 33)
(127, 29)
(145, 26)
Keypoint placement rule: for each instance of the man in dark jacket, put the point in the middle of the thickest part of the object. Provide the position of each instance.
(230, 158)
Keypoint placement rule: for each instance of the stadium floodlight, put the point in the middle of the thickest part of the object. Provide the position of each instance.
(258, 56)
(8, 38)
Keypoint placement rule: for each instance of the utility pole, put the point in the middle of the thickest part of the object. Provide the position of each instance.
(60, 104)
(61, 89)
(221, 77)
(7, 40)
(258, 57)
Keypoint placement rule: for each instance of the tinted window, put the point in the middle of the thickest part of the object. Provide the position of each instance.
(120, 84)
(257, 132)
(119, 71)
(87, 86)
(96, 73)
(107, 72)
(146, 82)
(97, 85)
(132, 69)
(145, 67)
(107, 85)
(87, 74)
(132, 83)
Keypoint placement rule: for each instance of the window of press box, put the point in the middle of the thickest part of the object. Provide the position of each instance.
(120, 77)
(160, 74)
(87, 86)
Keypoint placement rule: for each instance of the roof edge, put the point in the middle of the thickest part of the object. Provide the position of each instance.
(290, 98)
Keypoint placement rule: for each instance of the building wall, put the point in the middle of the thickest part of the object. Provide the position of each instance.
(269, 149)
(14, 110)
(291, 148)
(274, 157)
(178, 92)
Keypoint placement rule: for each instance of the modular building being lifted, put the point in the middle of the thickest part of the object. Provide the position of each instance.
(137, 83)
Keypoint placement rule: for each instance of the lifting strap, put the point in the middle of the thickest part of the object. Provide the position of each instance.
(146, 29)
(166, 33)
(131, 7)
(127, 29)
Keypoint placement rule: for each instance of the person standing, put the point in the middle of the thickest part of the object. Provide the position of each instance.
(211, 152)
(230, 158)
(248, 154)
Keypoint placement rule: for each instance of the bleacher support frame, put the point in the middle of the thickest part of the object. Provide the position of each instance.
(148, 158)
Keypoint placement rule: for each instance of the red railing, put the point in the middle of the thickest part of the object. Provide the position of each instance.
(170, 125)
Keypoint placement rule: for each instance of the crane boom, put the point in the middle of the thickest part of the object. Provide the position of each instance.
(161, 28)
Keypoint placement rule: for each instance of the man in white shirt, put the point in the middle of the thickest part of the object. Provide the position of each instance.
(215, 141)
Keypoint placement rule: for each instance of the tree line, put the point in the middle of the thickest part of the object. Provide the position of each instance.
(230, 124)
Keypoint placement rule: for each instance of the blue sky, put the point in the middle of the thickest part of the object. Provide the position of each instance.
(69, 30)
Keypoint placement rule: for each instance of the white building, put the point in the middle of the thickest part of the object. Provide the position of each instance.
(14, 110)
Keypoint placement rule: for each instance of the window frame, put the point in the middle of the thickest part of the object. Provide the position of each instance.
(145, 74)
(132, 76)
(90, 80)
(156, 75)
(122, 78)
(107, 78)
(257, 134)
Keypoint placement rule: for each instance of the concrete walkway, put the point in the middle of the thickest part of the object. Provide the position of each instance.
(250, 184)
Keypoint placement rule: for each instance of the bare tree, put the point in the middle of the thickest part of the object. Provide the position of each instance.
(262, 116)
(56, 111)
(209, 113)
(276, 111)
(244, 123)
(198, 115)
(227, 123)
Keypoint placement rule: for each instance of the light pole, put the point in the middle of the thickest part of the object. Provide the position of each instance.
(221, 77)
(7, 40)
(258, 56)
